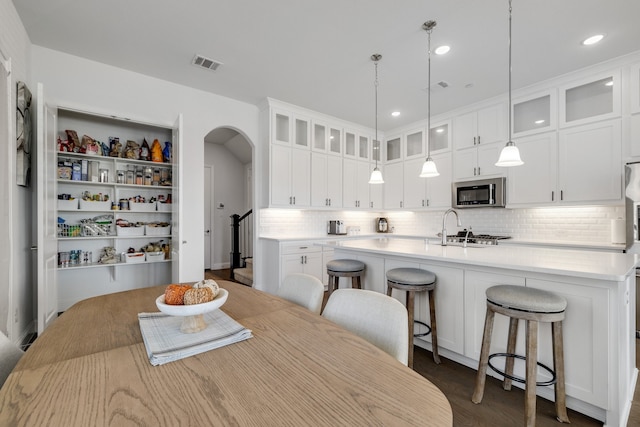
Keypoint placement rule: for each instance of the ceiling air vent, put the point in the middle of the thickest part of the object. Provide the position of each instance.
(437, 86)
(204, 62)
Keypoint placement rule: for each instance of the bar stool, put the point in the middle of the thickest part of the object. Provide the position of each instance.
(338, 268)
(533, 306)
(414, 280)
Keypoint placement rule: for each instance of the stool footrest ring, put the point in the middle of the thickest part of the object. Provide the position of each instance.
(423, 334)
(518, 379)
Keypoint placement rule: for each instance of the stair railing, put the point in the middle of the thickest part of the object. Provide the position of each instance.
(241, 240)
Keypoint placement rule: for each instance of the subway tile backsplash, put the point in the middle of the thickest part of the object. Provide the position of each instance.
(571, 224)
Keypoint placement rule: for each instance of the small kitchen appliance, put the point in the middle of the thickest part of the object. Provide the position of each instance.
(479, 193)
(336, 227)
(382, 225)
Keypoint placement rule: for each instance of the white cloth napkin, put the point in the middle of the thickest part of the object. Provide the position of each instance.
(165, 342)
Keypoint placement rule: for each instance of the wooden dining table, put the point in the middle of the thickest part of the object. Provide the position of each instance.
(91, 368)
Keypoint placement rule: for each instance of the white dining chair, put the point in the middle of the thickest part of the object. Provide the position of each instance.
(10, 354)
(380, 319)
(304, 290)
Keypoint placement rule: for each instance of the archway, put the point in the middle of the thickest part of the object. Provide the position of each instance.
(228, 190)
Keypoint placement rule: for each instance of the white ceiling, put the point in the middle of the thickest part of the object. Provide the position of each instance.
(316, 54)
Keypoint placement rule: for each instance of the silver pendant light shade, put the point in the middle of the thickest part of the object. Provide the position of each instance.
(510, 155)
(429, 169)
(376, 175)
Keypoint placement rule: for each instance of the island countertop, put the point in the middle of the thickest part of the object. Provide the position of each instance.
(577, 263)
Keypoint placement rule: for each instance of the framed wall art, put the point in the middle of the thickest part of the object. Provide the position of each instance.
(23, 135)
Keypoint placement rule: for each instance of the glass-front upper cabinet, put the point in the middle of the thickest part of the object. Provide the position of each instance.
(335, 141)
(587, 100)
(281, 127)
(363, 147)
(376, 148)
(635, 88)
(534, 113)
(440, 137)
(414, 144)
(394, 149)
(319, 137)
(349, 144)
(302, 133)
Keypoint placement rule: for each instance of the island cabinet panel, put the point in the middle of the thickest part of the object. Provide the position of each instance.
(587, 310)
(476, 284)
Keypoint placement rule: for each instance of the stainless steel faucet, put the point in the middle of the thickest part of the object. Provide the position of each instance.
(444, 224)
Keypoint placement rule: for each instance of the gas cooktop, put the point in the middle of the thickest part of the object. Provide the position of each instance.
(480, 239)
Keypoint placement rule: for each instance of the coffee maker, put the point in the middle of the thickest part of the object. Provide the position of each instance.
(382, 225)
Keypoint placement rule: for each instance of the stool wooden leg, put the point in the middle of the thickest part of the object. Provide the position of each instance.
(356, 282)
(332, 284)
(434, 329)
(410, 307)
(389, 290)
(531, 362)
(558, 367)
(478, 391)
(511, 349)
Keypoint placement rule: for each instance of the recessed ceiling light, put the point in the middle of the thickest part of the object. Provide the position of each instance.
(441, 50)
(593, 39)
(395, 113)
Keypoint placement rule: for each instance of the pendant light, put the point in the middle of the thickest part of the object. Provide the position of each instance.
(510, 155)
(376, 175)
(429, 169)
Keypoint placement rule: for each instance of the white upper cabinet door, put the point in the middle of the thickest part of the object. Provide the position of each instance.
(281, 127)
(334, 181)
(588, 100)
(440, 137)
(634, 140)
(320, 137)
(335, 141)
(350, 188)
(364, 143)
(301, 132)
(590, 159)
(350, 145)
(394, 149)
(393, 186)
(534, 114)
(635, 88)
(301, 177)
(319, 188)
(362, 183)
(414, 186)
(535, 182)
(484, 126)
(439, 187)
(414, 144)
(280, 175)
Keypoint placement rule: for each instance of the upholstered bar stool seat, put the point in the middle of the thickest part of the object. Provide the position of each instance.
(414, 280)
(338, 268)
(533, 306)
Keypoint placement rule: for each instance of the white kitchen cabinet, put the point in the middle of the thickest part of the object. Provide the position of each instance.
(326, 181)
(533, 114)
(427, 192)
(535, 182)
(586, 305)
(590, 99)
(414, 144)
(590, 159)
(476, 284)
(440, 137)
(634, 140)
(335, 140)
(393, 149)
(319, 137)
(350, 144)
(634, 77)
(356, 184)
(364, 144)
(290, 176)
(301, 257)
(393, 186)
(290, 129)
(86, 227)
(485, 126)
(478, 161)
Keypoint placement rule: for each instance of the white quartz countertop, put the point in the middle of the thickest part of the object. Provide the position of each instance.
(592, 264)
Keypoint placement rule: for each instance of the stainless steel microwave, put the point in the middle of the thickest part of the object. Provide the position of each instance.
(479, 194)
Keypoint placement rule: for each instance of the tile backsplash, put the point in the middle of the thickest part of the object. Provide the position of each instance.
(571, 224)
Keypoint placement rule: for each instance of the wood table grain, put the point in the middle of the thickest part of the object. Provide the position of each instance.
(90, 368)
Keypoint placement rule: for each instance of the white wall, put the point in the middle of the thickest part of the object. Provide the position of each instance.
(229, 190)
(79, 83)
(16, 281)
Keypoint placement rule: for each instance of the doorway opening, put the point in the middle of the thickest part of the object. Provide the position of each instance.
(229, 193)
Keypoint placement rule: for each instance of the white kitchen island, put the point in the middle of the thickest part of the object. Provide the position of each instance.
(599, 329)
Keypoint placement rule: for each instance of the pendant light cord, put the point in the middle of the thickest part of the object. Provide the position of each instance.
(509, 141)
(376, 58)
(429, 96)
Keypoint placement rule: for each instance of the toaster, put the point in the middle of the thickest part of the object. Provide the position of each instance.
(336, 227)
